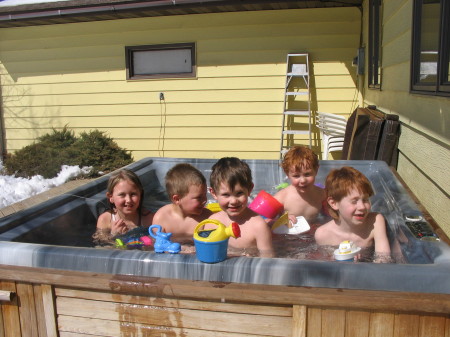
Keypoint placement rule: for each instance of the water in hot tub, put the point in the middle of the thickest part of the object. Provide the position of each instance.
(287, 246)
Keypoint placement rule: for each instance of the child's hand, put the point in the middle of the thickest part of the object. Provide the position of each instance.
(292, 220)
(118, 227)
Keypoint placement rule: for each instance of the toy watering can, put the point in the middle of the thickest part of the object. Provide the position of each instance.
(211, 244)
(266, 205)
(162, 241)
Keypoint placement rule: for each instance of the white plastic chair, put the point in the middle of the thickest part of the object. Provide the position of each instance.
(332, 131)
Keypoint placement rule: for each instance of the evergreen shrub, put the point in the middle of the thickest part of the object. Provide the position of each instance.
(46, 156)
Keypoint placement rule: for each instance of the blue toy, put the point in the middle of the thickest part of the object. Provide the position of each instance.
(162, 241)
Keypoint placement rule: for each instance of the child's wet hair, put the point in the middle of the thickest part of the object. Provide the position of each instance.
(231, 171)
(340, 182)
(298, 158)
(180, 177)
(124, 174)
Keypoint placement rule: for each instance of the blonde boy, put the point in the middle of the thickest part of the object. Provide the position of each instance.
(186, 188)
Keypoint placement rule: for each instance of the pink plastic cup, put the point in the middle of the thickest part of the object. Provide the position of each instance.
(266, 205)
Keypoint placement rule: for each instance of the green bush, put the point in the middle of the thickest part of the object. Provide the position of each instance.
(46, 156)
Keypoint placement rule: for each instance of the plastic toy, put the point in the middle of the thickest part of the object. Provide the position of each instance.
(213, 207)
(135, 238)
(211, 244)
(266, 205)
(162, 241)
(347, 251)
(284, 226)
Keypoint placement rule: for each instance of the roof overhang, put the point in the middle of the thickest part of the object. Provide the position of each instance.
(48, 13)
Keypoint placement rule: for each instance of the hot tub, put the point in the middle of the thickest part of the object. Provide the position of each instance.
(54, 239)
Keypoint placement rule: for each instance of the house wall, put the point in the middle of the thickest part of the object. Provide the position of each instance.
(424, 151)
(74, 75)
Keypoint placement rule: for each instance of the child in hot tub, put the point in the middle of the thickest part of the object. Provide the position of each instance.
(348, 192)
(124, 193)
(302, 197)
(231, 184)
(187, 188)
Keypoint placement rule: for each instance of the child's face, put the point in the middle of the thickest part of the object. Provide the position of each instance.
(353, 209)
(232, 202)
(125, 197)
(302, 179)
(194, 202)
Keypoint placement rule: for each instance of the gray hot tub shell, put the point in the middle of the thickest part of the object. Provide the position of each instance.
(54, 235)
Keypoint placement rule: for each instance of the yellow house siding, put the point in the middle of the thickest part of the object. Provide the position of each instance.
(424, 152)
(74, 75)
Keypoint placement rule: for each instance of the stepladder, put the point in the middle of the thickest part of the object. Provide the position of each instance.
(297, 120)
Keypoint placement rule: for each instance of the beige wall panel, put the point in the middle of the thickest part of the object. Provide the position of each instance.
(342, 81)
(187, 96)
(195, 108)
(149, 87)
(251, 121)
(397, 51)
(215, 144)
(396, 78)
(396, 19)
(74, 75)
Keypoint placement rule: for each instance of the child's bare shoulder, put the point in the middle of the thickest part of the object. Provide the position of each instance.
(104, 220)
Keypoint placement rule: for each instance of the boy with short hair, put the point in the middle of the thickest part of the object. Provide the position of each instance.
(301, 197)
(231, 184)
(348, 192)
(186, 188)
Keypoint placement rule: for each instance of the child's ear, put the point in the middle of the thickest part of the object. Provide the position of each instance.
(332, 203)
(175, 198)
(251, 189)
(213, 193)
(109, 197)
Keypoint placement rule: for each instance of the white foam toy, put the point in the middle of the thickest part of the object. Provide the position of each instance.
(284, 226)
(346, 251)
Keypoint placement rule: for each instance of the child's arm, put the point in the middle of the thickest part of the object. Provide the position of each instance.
(264, 240)
(380, 236)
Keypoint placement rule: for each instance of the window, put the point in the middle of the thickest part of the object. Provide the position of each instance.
(374, 44)
(161, 61)
(431, 44)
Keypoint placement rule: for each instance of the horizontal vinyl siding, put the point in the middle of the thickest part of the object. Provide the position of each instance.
(424, 152)
(74, 75)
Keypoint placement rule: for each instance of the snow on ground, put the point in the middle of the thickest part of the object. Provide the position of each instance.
(13, 189)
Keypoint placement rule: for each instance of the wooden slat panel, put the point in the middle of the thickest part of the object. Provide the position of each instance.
(406, 325)
(2, 326)
(173, 317)
(314, 323)
(299, 320)
(175, 303)
(447, 326)
(27, 310)
(38, 302)
(333, 323)
(107, 328)
(48, 301)
(432, 326)
(10, 312)
(235, 292)
(381, 325)
(357, 323)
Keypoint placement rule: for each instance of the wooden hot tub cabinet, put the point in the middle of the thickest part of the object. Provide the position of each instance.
(61, 303)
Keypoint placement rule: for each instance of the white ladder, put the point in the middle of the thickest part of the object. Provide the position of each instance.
(297, 119)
